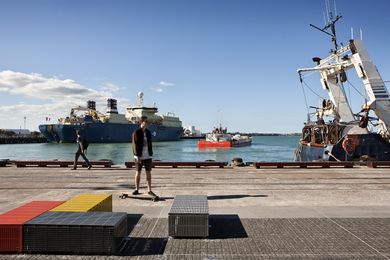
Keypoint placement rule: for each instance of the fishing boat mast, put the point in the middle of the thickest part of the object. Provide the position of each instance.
(325, 140)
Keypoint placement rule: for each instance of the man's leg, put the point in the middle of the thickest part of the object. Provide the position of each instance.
(149, 180)
(148, 170)
(86, 159)
(76, 158)
(137, 177)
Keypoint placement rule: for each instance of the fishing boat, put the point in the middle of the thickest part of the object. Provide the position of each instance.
(112, 127)
(333, 131)
(220, 138)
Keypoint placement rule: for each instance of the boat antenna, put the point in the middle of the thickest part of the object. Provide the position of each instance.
(329, 27)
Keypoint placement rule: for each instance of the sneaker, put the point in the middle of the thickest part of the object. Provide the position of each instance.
(135, 192)
(89, 167)
(151, 193)
(73, 168)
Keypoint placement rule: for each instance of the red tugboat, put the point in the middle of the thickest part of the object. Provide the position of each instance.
(220, 138)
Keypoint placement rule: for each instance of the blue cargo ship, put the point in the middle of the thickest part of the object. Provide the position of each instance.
(112, 127)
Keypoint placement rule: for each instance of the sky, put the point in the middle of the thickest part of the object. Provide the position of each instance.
(207, 61)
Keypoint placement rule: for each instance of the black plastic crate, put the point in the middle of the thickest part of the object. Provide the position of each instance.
(75, 233)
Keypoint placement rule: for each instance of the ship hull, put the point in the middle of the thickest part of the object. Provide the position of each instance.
(106, 132)
(368, 147)
(222, 144)
(207, 144)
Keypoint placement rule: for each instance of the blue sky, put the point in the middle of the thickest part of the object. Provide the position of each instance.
(204, 60)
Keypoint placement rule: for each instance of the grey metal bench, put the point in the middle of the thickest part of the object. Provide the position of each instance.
(189, 216)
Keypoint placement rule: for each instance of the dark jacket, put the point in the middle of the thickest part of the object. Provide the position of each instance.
(138, 141)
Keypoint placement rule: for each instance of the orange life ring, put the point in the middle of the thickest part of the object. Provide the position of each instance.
(349, 145)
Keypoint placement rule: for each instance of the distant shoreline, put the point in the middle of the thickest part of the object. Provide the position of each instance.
(34, 140)
(22, 140)
(268, 134)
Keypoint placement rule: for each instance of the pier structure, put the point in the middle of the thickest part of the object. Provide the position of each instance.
(265, 213)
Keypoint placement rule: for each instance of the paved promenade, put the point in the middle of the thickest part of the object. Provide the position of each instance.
(336, 213)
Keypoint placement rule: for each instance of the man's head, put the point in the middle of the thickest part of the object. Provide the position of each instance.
(77, 132)
(144, 122)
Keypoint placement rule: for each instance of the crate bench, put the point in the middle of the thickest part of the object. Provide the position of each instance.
(189, 216)
(95, 233)
(11, 224)
(86, 203)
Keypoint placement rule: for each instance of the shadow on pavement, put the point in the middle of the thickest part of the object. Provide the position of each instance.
(229, 197)
(146, 197)
(132, 220)
(138, 246)
(226, 226)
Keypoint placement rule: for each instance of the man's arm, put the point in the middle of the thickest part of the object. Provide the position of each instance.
(133, 144)
(81, 147)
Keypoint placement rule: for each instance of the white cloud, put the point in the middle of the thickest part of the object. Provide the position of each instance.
(110, 87)
(54, 89)
(166, 84)
(162, 86)
(59, 95)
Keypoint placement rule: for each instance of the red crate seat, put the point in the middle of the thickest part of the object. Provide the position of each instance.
(11, 223)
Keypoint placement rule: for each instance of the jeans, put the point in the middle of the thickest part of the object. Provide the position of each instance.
(77, 155)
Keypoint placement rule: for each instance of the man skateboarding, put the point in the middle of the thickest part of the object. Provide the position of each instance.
(143, 152)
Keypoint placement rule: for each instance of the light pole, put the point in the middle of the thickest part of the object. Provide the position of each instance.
(25, 122)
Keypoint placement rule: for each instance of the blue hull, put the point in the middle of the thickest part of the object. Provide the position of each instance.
(106, 132)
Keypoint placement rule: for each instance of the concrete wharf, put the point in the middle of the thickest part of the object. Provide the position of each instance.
(266, 213)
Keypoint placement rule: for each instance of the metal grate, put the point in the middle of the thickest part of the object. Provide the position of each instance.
(189, 216)
(87, 203)
(75, 233)
(11, 224)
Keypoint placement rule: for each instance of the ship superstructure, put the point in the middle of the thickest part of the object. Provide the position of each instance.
(334, 131)
(112, 127)
(220, 138)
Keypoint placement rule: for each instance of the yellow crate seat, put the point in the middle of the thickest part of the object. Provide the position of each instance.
(87, 203)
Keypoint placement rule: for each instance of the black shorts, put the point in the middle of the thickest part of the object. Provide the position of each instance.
(147, 163)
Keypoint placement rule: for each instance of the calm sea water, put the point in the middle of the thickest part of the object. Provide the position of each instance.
(263, 148)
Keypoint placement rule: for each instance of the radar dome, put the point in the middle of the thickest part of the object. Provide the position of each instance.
(140, 94)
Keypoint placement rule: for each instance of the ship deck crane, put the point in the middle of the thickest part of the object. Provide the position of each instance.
(333, 73)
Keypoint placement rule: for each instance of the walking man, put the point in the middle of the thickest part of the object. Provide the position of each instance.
(143, 152)
(82, 146)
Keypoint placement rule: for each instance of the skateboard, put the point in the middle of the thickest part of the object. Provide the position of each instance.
(139, 197)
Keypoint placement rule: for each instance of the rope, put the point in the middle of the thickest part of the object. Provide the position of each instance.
(349, 98)
(304, 95)
(356, 89)
(303, 82)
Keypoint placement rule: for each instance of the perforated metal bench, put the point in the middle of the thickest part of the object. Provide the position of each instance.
(189, 216)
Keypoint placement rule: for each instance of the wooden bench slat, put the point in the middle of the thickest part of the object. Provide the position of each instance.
(303, 164)
(60, 163)
(181, 164)
(374, 164)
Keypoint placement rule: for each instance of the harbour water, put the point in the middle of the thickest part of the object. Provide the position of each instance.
(263, 148)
